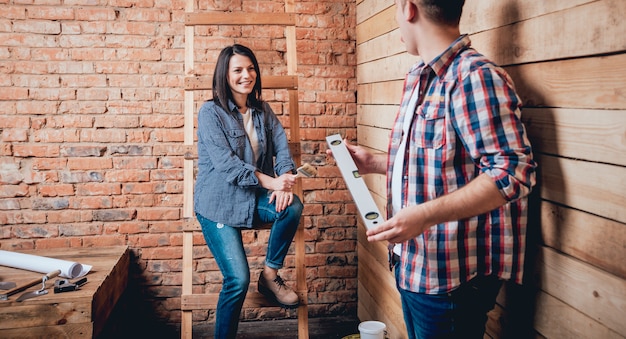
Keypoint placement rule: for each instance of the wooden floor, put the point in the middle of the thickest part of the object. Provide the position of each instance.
(319, 328)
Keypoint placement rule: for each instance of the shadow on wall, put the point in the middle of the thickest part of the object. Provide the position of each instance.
(519, 301)
(134, 315)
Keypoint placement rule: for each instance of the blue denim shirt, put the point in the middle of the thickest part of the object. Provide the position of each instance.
(226, 186)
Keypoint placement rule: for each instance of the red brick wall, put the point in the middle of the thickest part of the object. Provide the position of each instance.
(91, 130)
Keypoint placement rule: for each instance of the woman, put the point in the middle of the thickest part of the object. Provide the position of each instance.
(241, 146)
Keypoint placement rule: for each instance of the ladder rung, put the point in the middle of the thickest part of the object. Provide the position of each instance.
(209, 301)
(201, 82)
(227, 18)
(191, 152)
(192, 225)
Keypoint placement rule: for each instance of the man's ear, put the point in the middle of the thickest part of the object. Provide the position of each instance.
(410, 11)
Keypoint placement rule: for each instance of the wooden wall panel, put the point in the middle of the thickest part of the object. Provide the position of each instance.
(591, 83)
(593, 292)
(568, 230)
(588, 186)
(568, 61)
(557, 35)
(477, 18)
(594, 135)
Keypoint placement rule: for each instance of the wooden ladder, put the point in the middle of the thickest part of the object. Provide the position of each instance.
(190, 301)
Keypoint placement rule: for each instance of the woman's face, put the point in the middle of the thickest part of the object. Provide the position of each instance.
(241, 76)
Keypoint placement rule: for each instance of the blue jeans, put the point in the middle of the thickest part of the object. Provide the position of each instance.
(227, 247)
(461, 313)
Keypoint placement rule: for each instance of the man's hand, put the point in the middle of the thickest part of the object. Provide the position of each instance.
(365, 161)
(406, 224)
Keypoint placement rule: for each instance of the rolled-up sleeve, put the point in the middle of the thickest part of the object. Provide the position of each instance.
(487, 118)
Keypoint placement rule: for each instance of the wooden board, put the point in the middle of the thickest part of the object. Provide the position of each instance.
(589, 83)
(382, 46)
(77, 314)
(593, 292)
(557, 35)
(594, 135)
(602, 192)
(393, 67)
(568, 230)
(382, 22)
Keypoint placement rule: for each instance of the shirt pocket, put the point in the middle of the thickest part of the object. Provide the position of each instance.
(237, 140)
(430, 130)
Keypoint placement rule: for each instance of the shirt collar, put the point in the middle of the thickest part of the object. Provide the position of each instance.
(440, 63)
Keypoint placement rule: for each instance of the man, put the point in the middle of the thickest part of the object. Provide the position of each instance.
(459, 168)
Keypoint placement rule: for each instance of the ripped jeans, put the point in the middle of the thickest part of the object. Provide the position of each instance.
(226, 244)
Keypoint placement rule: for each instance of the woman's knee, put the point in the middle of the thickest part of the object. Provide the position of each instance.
(296, 206)
(237, 285)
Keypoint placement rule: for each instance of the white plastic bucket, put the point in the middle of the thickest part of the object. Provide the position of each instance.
(372, 330)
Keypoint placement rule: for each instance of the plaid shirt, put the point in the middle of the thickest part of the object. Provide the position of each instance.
(467, 122)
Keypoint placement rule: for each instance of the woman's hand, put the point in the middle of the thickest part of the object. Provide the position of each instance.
(284, 182)
(283, 199)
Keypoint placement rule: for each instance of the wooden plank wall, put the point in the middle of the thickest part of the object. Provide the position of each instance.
(568, 61)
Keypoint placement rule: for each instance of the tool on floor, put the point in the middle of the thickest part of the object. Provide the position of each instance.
(32, 294)
(7, 285)
(64, 285)
(306, 170)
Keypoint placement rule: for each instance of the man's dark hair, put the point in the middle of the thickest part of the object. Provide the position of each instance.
(221, 89)
(447, 12)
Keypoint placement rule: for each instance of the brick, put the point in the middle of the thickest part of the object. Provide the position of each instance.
(80, 230)
(56, 190)
(9, 204)
(99, 202)
(128, 175)
(11, 94)
(57, 243)
(114, 215)
(159, 214)
(130, 150)
(133, 228)
(50, 203)
(38, 231)
(95, 188)
(68, 216)
(139, 188)
(12, 191)
(161, 253)
(80, 177)
(104, 240)
(15, 135)
(37, 27)
(56, 136)
(139, 200)
(83, 151)
(70, 121)
(89, 163)
(52, 13)
(117, 122)
(103, 135)
(150, 15)
(95, 14)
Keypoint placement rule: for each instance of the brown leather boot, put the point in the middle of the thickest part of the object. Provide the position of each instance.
(276, 290)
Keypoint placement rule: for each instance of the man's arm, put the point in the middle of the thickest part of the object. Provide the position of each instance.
(480, 196)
